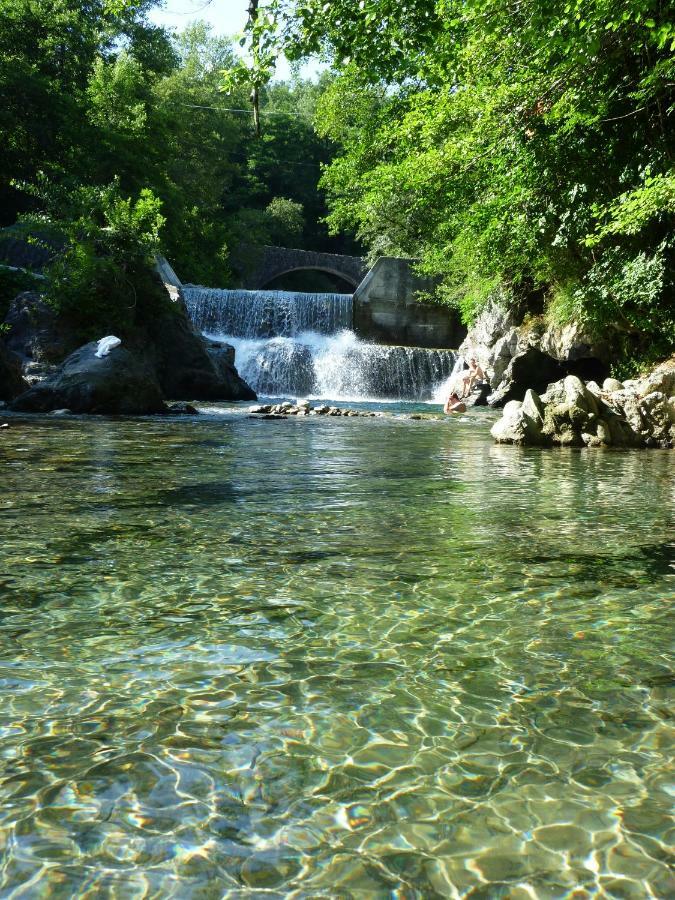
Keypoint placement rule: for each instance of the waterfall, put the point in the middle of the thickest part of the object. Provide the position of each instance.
(301, 344)
(452, 383)
(255, 314)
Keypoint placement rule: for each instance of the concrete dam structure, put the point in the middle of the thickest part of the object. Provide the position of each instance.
(378, 342)
(386, 309)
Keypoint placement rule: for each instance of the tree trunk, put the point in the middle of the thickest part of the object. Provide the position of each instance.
(255, 92)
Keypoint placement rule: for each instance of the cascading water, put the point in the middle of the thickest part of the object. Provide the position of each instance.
(267, 314)
(300, 344)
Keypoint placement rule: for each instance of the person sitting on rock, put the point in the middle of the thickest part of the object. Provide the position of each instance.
(474, 374)
(454, 404)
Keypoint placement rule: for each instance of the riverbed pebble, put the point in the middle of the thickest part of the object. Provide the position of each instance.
(304, 408)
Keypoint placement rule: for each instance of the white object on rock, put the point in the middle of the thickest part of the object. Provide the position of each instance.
(106, 344)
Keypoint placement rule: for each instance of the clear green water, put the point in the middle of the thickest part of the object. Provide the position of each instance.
(344, 658)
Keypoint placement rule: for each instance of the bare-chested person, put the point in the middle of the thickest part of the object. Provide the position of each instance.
(474, 374)
(454, 404)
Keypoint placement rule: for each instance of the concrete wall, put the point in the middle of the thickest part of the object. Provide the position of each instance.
(386, 311)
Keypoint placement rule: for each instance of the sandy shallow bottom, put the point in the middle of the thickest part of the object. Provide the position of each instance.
(347, 658)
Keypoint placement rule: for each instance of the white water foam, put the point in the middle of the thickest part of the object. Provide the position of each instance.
(301, 345)
(452, 383)
(338, 366)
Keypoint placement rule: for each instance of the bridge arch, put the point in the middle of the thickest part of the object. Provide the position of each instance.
(275, 262)
(346, 278)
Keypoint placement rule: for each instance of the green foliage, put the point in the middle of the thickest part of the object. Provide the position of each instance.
(286, 221)
(101, 280)
(625, 292)
(115, 94)
(634, 210)
(508, 145)
(93, 93)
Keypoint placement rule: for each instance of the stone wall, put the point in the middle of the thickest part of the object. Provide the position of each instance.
(386, 309)
(269, 263)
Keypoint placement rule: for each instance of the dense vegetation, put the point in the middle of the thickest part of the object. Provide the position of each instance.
(521, 150)
(120, 134)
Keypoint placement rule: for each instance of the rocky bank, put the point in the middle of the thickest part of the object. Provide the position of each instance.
(43, 369)
(518, 353)
(635, 413)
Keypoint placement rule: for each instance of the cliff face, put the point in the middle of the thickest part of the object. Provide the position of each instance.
(517, 355)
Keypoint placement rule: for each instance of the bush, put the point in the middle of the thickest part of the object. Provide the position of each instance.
(102, 278)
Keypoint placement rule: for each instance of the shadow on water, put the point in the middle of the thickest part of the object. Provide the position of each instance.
(652, 561)
(204, 493)
(660, 558)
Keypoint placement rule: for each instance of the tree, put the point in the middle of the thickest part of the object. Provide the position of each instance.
(496, 139)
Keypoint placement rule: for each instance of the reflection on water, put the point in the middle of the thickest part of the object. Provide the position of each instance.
(352, 658)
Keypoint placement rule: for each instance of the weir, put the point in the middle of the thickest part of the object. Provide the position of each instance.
(300, 344)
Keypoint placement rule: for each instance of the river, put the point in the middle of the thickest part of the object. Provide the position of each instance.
(331, 658)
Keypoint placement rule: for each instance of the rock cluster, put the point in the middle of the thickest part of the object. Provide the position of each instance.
(636, 413)
(304, 408)
(518, 355)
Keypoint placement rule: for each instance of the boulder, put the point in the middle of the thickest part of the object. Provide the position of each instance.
(634, 415)
(121, 383)
(517, 354)
(510, 429)
(479, 395)
(221, 352)
(11, 381)
(222, 359)
(521, 423)
(189, 367)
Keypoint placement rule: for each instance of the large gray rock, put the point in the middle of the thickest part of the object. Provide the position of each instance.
(516, 355)
(222, 358)
(188, 367)
(11, 380)
(121, 383)
(521, 423)
(510, 429)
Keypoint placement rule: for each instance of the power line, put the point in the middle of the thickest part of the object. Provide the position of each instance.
(263, 112)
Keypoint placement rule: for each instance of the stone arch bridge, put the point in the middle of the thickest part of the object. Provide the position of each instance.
(273, 262)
